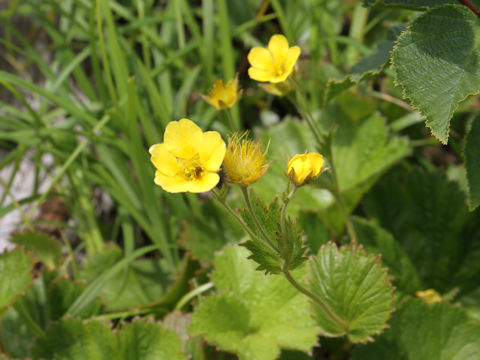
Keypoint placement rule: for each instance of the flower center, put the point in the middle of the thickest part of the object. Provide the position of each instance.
(190, 169)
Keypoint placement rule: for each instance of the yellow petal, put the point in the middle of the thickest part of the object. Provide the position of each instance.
(212, 151)
(163, 160)
(292, 56)
(182, 137)
(260, 75)
(172, 184)
(278, 47)
(316, 163)
(260, 58)
(207, 182)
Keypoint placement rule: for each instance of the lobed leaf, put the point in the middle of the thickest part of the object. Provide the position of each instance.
(436, 61)
(253, 315)
(43, 247)
(354, 288)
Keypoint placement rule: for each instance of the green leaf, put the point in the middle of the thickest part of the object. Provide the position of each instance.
(43, 247)
(267, 257)
(73, 339)
(430, 332)
(378, 241)
(143, 282)
(94, 340)
(16, 337)
(375, 62)
(427, 215)
(291, 246)
(360, 147)
(62, 293)
(142, 340)
(192, 346)
(15, 276)
(472, 164)
(253, 315)
(436, 63)
(355, 289)
(336, 87)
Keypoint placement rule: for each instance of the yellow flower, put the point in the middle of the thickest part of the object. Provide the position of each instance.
(274, 63)
(223, 96)
(188, 160)
(304, 168)
(244, 160)
(430, 296)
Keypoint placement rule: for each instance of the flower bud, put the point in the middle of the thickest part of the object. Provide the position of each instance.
(244, 160)
(304, 168)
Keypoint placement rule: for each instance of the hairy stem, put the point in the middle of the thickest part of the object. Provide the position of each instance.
(472, 7)
(248, 201)
(312, 296)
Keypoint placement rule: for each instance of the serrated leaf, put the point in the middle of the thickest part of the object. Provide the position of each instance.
(143, 282)
(378, 241)
(436, 63)
(142, 340)
(43, 247)
(428, 217)
(430, 332)
(265, 255)
(15, 275)
(291, 246)
(472, 164)
(253, 315)
(72, 339)
(355, 289)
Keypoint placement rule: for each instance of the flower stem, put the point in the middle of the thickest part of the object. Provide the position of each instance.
(305, 112)
(248, 201)
(341, 205)
(231, 122)
(283, 211)
(311, 295)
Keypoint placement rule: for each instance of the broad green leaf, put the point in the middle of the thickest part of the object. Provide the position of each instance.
(436, 63)
(43, 246)
(360, 147)
(253, 315)
(428, 217)
(374, 63)
(472, 164)
(94, 340)
(355, 290)
(208, 230)
(143, 282)
(378, 241)
(15, 276)
(143, 340)
(430, 332)
(73, 339)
